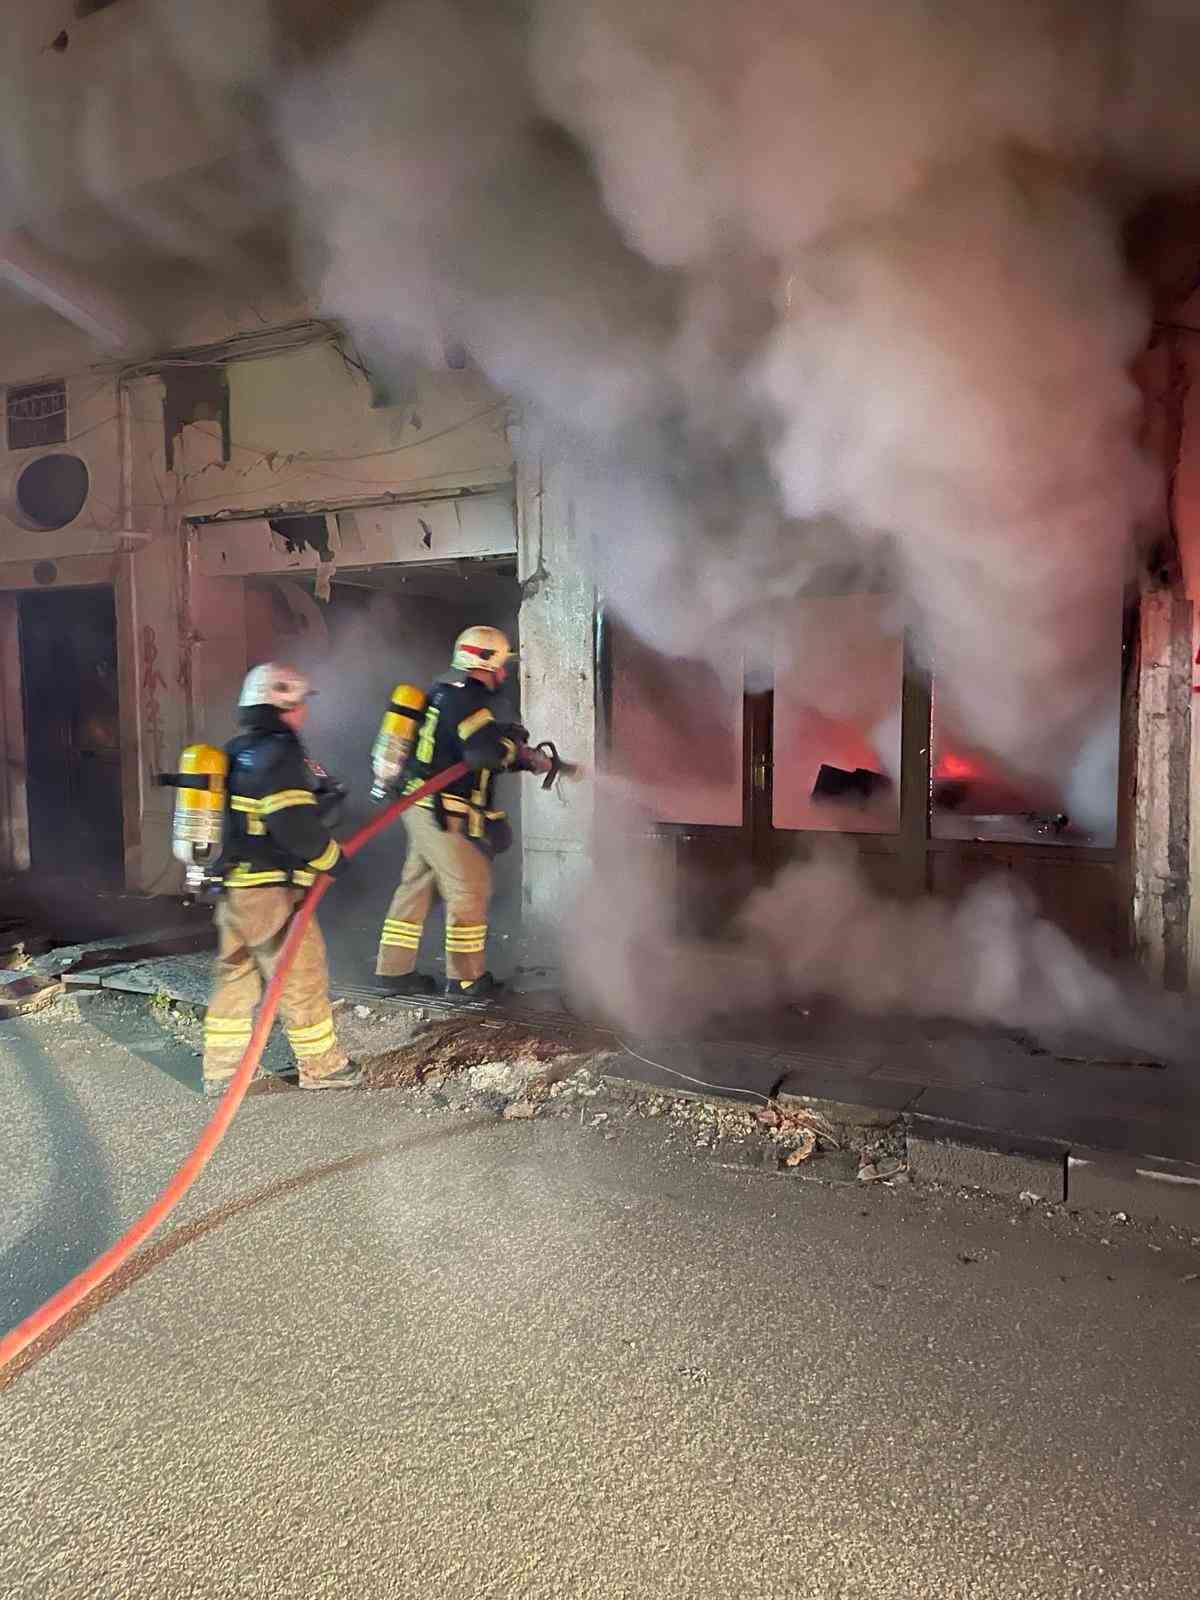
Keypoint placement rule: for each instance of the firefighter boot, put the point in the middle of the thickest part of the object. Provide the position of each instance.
(347, 1077)
(485, 988)
(408, 983)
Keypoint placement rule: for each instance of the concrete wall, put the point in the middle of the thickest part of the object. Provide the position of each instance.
(125, 536)
(1180, 386)
(453, 528)
(304, 434)
(305, 438)
(558, 702)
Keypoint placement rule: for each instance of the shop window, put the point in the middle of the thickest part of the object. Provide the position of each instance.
(974, 796)
(839, 667)
(675, 731)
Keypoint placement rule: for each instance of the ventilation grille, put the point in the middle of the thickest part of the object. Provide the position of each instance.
(37, 415)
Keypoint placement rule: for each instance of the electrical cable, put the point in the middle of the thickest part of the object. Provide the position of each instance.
(659, 1066)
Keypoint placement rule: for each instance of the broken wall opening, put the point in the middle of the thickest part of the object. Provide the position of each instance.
(381, 626)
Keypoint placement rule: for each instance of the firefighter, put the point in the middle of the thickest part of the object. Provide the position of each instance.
(277, 840)
(453, 836)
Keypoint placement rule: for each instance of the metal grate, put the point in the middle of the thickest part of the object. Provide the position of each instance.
(37, 415)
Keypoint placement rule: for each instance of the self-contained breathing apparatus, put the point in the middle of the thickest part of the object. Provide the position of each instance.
(200, 822)
(397, 739)
(198, 830)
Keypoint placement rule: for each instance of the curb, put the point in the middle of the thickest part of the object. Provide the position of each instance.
(1083, 1175)
(973, 1159)
(1075, 1174)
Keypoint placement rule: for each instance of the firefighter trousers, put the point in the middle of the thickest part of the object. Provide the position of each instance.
(251, 925)
(444, 860)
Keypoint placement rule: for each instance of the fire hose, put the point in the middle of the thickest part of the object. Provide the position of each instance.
(57, 1307)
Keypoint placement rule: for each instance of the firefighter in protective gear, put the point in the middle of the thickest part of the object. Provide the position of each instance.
(277, 840)
(453, 836)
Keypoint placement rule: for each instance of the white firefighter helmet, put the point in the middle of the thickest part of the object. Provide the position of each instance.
(274, 684)
(481, 649)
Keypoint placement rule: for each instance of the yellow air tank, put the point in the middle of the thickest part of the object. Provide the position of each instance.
(397, 735)
(199, 829)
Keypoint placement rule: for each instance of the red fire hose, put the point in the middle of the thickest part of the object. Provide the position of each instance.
(68, 1297)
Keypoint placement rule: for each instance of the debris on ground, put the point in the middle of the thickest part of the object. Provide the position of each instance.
(26, 993)
(15, 957)
(795, 1120)
(518, 1109)
(887, 1169)
(803, 1150)
(498, 1059)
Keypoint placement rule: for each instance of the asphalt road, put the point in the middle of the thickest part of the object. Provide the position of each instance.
(386, 1351)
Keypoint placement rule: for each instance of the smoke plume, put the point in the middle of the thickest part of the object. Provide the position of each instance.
(798, 284)
(799, 287)
(820, 933)
(794, 283)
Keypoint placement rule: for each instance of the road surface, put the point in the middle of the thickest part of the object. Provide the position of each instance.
(387, 1350)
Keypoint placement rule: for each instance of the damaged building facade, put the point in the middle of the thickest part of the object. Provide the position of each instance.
(169, 527)
(199, 472)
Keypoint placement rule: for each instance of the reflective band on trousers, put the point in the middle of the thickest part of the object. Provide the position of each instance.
(401, 935)
(466, 940)
(240, 877)
(311, 1041)
(227, 1030)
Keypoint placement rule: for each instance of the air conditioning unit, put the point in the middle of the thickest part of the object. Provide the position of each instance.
(60, 471)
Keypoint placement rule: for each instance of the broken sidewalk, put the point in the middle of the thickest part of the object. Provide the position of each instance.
(969, 1107)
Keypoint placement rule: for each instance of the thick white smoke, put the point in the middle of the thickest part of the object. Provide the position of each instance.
(856, 278)
(820, 933)
(792, 281)
(795, 284)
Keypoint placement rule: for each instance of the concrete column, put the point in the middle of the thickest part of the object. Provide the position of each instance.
(216, 648)
(558, 702)
(1162, 831)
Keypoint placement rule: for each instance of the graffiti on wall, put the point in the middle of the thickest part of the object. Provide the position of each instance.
(153, 683)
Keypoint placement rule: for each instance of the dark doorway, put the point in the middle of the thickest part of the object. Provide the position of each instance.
(385, 625)
(72, 734)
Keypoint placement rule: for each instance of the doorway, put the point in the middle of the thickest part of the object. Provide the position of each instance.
(383, 625)
(70, 693)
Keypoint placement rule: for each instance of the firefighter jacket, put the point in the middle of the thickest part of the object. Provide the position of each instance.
(460, 724)
(274, 828)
